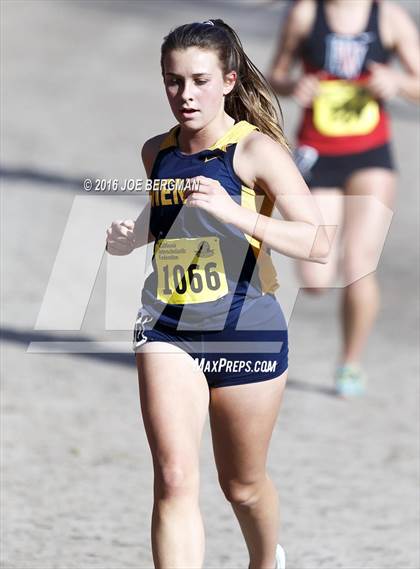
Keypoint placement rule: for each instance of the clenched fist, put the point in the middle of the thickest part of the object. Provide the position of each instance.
(120, 237)
(384, 81)
(306, 89)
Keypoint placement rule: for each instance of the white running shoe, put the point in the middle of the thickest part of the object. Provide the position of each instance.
(280, 558)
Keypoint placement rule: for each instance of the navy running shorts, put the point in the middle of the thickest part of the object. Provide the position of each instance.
(254, 350)
(333, 171)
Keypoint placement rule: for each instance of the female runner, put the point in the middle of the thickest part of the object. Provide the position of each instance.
(210, 295)
(344, 141)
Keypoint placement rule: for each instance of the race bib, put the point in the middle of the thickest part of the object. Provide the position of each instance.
(190, 270)
(343, 108)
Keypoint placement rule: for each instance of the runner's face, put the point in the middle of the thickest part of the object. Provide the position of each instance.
(195, 86)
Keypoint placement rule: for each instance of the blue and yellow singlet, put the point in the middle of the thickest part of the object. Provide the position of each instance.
(204, 272)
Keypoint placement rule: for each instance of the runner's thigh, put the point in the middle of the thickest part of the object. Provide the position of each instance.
(242, 418)
(370, 195)
(174, 401)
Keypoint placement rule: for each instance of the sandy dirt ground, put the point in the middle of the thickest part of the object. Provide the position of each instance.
(81, 91)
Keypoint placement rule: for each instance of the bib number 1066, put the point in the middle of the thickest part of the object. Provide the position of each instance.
(191, 279)
(190, 270)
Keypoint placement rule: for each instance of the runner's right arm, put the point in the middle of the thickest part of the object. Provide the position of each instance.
(148, 154)
(123, 236)
(296, 28)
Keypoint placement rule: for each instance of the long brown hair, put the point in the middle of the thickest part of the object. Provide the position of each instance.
(252, 97)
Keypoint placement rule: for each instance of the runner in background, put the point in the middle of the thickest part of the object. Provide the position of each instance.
(343, 142)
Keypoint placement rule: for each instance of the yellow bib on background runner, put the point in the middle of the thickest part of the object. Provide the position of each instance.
(344, 108)
(190, 270)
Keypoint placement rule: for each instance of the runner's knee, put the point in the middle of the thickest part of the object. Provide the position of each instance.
(318, 281)
(175, 479)
(357, 264)
(242, 493)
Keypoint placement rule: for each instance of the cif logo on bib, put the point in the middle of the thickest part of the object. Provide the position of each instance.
(204, 250)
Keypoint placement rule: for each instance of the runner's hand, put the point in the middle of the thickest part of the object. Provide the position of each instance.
(120, 237)
(213, 198)
(306, 89)
(383, 82)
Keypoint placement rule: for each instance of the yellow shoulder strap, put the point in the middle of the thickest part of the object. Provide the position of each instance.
(234, 135)
(170, 138)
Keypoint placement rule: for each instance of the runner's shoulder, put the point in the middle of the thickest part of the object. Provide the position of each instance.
(395, 22)
(301, 17)
(393, 9)
(256, 142)
(256, 153)
(150, 150)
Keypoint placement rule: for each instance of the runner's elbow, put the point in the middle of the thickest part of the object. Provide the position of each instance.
(320, 246)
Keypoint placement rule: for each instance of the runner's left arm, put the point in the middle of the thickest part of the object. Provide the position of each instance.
(301, 234)
(263, 163)
(400, 30)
